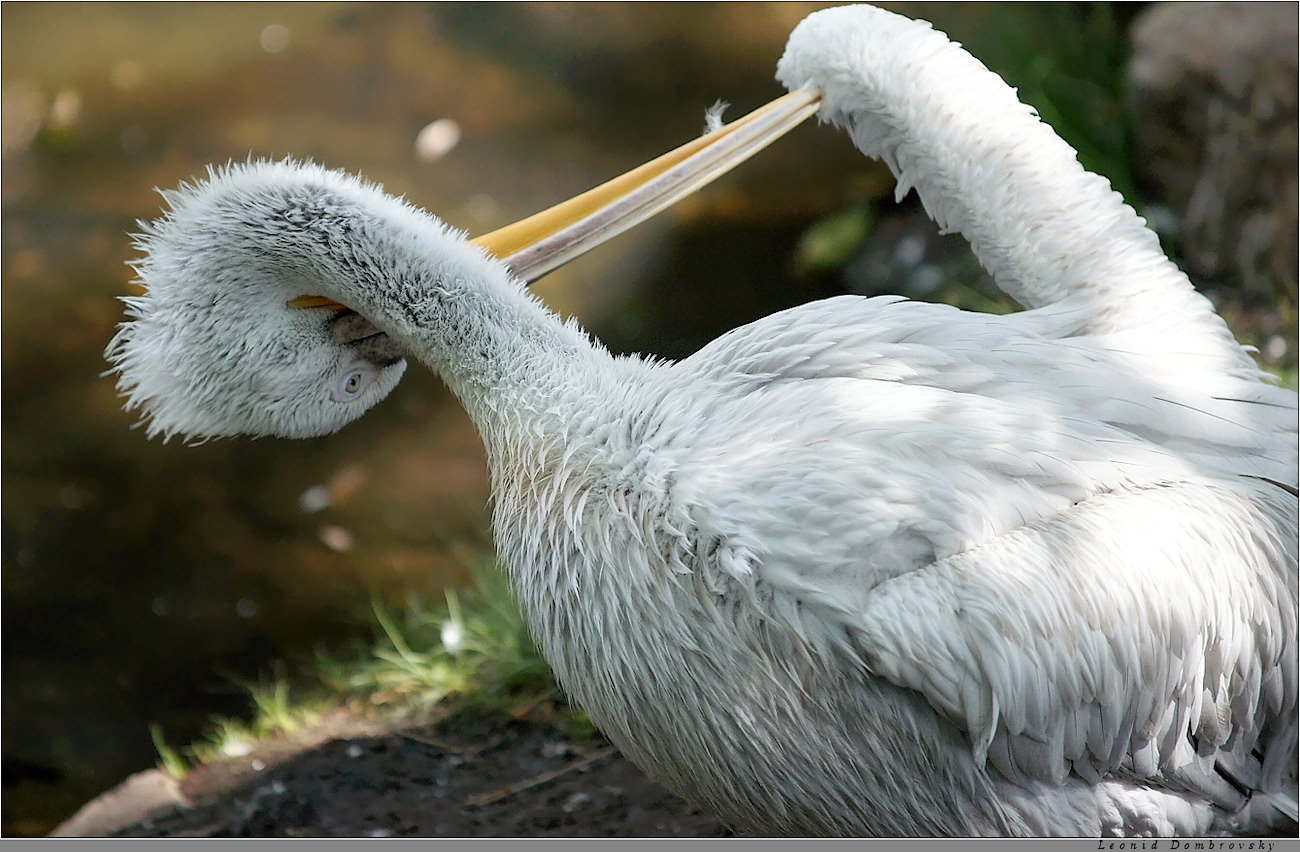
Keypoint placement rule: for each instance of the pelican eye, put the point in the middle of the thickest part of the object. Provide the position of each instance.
(353, 381)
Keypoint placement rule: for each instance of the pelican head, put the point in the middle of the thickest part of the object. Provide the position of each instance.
(223, 342)
(254, 318)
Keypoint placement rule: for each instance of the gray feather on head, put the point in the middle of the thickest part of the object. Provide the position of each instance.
(213, 349)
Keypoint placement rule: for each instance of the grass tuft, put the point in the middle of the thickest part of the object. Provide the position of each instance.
(476, 648)
(473, 651)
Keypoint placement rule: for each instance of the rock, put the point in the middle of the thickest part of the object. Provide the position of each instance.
(134, 800)
(1212, 87)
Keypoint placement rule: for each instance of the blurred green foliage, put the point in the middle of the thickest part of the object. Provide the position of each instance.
(472, 652)
(474, 646)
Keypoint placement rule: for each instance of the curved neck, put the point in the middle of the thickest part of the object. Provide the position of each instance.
(495, 345)
(439, 297)
(986, 166)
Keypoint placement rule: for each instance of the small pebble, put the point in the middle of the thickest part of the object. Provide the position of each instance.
(576, 801)
(274, 38)
(336, 538)
(236, 748)
(314, 499)
(437, 139)
(555, 749)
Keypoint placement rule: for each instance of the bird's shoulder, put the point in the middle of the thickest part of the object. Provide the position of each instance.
(888, 338)
(1136, 386)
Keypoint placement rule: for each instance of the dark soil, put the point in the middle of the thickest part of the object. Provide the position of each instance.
(472, 775)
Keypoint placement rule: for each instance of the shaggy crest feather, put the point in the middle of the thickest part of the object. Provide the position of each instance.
(865, 566)
(206, 354)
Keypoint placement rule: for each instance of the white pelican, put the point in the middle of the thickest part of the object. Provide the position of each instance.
(866, 566)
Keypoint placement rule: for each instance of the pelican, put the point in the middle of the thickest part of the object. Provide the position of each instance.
(863, 567)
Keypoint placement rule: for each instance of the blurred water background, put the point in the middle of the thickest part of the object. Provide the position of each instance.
(144, 582)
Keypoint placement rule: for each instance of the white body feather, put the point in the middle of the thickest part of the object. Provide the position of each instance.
(868, 566)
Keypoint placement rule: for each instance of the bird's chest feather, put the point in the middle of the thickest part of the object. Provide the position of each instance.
(642, 553)
(785, 507)
(606, 558)
(665, 619)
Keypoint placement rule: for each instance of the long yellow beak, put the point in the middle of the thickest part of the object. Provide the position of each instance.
(544, 241)
(534, 246)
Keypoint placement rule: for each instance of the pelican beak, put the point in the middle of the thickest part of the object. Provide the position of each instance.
(544, 241)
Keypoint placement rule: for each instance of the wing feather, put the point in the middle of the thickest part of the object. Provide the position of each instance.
(1103, 637)
(1226, 423)
(1115, 588)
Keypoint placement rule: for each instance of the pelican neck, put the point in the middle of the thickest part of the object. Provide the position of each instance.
(462, 314)
(500, 350)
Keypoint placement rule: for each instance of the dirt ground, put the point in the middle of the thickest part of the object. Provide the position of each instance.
(472, 775)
